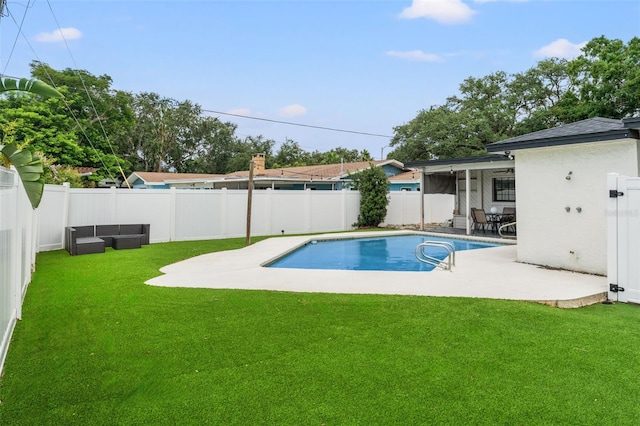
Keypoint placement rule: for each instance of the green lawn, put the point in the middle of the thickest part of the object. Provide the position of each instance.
(97, 346)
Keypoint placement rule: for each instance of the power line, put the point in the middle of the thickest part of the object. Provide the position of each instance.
(64, 100)
(299, 124)
(8, 13)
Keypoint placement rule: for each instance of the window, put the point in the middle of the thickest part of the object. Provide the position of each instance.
(504, 189)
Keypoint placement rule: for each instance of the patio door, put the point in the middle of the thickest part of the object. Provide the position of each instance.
(624, 238)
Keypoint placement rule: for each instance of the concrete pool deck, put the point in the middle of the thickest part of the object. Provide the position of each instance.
(491, 273)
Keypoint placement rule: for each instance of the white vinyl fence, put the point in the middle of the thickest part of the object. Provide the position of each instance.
(187, 214)
(18, 224)
(404, 208)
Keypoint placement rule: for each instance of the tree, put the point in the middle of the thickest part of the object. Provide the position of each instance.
(99, 118)
(340, 154)
(374, 187)
(245, 150)
(29, 168)
(290, 154)
(163, 135)
(215, 146)
(439, 132)
(608, 75)
(537, 95)
(603, 81)
(40, 124)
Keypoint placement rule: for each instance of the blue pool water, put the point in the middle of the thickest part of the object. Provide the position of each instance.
(395, 253)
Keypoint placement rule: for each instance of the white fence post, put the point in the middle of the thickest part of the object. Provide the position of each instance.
(113, 202)
(224, 205)
(65, 211)
(172, 214)
(309, 209)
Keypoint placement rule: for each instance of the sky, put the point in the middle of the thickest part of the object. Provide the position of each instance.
(357, 67)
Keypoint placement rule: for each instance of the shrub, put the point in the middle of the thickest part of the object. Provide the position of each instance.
(374, 187)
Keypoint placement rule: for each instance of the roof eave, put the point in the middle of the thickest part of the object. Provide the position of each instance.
(563, 140)
(492, 161)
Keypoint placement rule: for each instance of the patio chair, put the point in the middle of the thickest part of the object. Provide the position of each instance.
(509, 216)
(479, 218)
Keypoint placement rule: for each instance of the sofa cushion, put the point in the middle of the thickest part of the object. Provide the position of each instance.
(84, 231)
(107, 230)
(131, 229)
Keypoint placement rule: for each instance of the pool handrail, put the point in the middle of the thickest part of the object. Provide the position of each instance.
(506, 225)
(451, 256)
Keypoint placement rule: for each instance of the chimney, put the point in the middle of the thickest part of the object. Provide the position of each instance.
(258, 164)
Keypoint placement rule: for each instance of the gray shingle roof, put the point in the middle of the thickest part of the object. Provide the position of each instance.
(631, 122)
(590, 130)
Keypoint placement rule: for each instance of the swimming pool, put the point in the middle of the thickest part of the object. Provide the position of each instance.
(389, 253)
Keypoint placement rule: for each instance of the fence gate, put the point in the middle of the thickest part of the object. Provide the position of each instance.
(623, 228)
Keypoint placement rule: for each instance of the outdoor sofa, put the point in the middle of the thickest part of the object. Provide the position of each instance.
(94, 238)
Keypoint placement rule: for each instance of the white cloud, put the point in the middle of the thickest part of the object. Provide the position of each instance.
(294, 110)
(561, 48)
(59, 35)
(415, 55)
(442, 11)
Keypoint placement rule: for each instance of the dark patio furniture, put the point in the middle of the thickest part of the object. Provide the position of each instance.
(126, 241)
(94, 238)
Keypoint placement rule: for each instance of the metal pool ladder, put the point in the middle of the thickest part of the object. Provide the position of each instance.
(445, 263)
(506, 225)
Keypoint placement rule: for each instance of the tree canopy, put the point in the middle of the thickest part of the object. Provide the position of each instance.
(117, 132)
(604, 81)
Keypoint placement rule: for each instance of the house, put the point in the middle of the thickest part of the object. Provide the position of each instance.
(164, 180)
(557, 180)
(319, 177)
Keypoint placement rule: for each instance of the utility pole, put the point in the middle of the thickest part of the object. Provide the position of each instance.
(249, 199)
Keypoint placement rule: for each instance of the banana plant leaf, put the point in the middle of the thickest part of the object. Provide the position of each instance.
(28, 85)
(29, 169)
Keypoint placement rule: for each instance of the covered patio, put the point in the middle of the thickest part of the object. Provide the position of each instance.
(490, 179)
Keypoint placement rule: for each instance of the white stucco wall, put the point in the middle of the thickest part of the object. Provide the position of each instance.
(548, 234)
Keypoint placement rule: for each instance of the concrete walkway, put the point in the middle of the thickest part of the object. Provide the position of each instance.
(487, 273)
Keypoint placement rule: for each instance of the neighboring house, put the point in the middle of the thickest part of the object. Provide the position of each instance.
(156, 180)
(560, 187)
(405, 181)
(320, 177)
